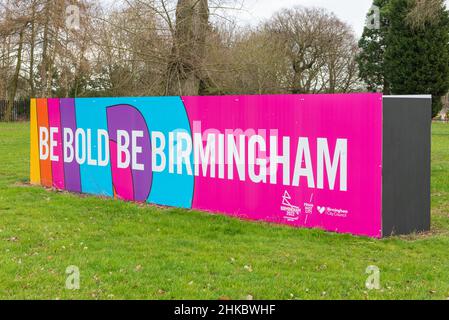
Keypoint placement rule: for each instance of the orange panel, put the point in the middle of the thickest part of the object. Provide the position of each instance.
(42, 121)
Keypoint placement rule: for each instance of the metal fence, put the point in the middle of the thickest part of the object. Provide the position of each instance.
(20, 110)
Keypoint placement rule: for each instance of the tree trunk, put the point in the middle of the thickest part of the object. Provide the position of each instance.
(32, 44)
(184, 72)
(45, 63)
(13, 87)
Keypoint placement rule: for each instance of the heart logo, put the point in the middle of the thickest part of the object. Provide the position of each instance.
(321, 209)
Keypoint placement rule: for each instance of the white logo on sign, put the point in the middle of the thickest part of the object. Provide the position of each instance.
(308, 208)
(333, 212)
(292, 212)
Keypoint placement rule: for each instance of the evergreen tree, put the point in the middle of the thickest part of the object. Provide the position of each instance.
(417, 56)
(372, 45)
(409, 53)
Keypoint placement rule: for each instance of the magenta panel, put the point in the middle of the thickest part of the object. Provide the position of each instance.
(333, 157)
(57, 164)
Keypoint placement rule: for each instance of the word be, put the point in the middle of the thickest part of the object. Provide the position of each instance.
(77, 146)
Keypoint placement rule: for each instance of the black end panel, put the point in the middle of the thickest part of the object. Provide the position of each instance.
(406, 165)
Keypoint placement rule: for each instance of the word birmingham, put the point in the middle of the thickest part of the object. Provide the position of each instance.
(226, 152)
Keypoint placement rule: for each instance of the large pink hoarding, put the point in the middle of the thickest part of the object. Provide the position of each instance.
(354, 118)
(310, 161)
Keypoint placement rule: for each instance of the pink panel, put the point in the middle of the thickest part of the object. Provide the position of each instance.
(356, 118)
(54, 120)
(122, 180)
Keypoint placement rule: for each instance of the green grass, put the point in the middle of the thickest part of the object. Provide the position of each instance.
(130, 251)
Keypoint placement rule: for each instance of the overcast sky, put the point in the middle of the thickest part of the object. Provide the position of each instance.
(351, 11)
(254, 11)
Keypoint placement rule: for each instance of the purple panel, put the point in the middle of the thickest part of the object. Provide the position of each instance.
(128, 118)
(68, 120)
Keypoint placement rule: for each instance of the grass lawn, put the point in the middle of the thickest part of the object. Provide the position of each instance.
(131, 251)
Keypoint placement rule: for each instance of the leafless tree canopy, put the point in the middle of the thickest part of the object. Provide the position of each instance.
(424, 12)
(169, 47)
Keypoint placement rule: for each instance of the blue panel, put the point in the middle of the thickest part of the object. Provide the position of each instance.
(167, 115)
(163, 114)
(91, 114)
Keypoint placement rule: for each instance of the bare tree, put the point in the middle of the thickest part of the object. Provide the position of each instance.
(169, 47)
(424, 12)
(317, 46)
(13, 28)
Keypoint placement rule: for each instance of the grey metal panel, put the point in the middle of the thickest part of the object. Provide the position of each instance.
(406, 165)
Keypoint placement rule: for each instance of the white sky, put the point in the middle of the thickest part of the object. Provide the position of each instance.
(351, 11)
